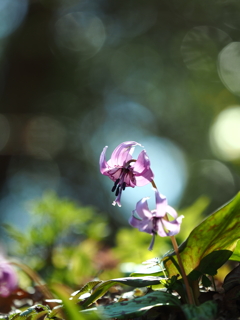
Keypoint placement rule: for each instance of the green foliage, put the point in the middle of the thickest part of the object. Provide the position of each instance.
(62, 238)
(103, 287)
(206, 311)
(217, 235)
(138, 306)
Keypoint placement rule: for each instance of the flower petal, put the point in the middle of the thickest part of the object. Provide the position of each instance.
(143, 210)
(122, 153)
(144, 178)
(172, 212)
(142, 164)
(144, 225)
(173, 227)
(102, 161)
(161, 204)
(113, 174)
(8, 279)
(159, 228)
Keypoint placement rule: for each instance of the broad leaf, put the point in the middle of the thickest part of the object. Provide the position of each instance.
(136, 307)
(129, 281)
(236, 253)
(218, 232)
(206, 311)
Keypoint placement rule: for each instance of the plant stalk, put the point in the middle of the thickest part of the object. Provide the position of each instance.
(183, 273)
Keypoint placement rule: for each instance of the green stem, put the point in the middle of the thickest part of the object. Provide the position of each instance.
(183, 273)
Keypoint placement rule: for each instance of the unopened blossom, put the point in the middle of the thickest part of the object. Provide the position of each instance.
(124, 170)
(8, 278)
(156, 221)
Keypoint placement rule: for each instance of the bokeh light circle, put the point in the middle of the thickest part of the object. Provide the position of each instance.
(80, 32)
(225, 134)
(229, 67)
(12, 13)
(200, 48)
(44, 137)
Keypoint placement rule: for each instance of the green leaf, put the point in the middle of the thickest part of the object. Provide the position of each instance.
(32, 313)
(210, 264)
(206, 281)
(102, 288)
(236, 253)
(206, 311)
(85, 289)
(154, 274)
(136, 307)
(218, 232)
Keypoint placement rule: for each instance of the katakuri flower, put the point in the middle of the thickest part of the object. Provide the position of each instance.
(124, 170)
(156, 221)
(8, 278)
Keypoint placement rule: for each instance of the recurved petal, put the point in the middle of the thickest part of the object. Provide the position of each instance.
(142, 163)
(172, 212)
(143, 210)
(123, 153)
(144, 225)
(102, 161)
(173, 227)
(144, 178)
(161, 204)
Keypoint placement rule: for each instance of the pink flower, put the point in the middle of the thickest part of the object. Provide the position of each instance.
(8, 278)
(125, 171)
(155, 222)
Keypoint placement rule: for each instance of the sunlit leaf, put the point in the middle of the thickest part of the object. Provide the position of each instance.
(218, 232)
(32, 313)
(129, 281)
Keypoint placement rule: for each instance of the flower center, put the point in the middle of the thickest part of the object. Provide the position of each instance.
(126, 175)
(120, 184)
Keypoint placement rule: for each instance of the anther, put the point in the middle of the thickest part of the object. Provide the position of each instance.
(115, 185)
(123, 185)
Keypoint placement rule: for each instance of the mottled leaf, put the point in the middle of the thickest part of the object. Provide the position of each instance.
(129, 281)
(218, 232)
(136, 307)
(206, 311)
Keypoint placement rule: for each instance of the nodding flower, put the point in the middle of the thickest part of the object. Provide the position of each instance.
(156, 221)
(124, 170)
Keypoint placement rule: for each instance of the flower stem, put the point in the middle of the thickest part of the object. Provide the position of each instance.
(183, 273)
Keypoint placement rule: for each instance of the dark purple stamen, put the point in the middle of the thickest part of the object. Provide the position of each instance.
(124, 186)
(115, 185)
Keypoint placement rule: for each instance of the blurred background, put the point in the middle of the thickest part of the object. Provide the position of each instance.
(79, 75)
